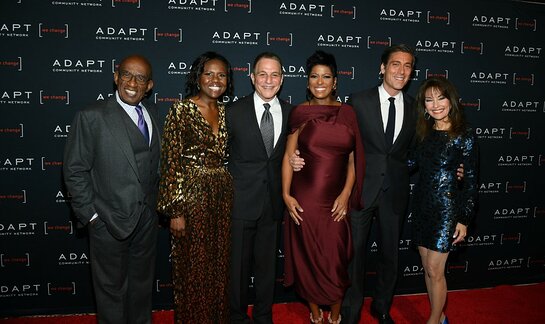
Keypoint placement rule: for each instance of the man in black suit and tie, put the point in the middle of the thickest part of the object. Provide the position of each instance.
(111, 169)
(387, 125)
(256, 125)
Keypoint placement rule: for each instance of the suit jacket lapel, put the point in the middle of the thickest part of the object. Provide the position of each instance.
(114, 121)
(376, 114)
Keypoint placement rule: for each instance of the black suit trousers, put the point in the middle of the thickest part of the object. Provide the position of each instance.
(389, 225)
(253, 245)
(123, 271)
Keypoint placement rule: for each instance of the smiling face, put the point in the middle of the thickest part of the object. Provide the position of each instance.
(321, 82)
(267, 78)
(397, 72)
(437, 105)
(133, 80)
(213, 79)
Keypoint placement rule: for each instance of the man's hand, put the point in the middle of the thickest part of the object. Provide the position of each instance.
(177, 226)
(296, 161)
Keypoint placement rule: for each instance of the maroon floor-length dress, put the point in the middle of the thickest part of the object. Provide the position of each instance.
(318, 251)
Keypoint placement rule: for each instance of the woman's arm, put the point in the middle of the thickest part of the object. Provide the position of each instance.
(340, 206)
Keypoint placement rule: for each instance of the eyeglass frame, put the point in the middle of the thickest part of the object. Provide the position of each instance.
(128, 76)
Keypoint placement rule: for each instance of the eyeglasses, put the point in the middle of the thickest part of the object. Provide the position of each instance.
(127, 76)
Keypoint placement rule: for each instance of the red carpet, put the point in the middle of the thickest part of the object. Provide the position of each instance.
(502, 304)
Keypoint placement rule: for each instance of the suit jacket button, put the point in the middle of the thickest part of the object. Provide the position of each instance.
(140, 203)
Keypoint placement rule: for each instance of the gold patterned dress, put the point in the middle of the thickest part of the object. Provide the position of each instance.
(195, 183)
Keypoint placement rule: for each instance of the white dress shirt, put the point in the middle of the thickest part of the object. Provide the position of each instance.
(385, 107)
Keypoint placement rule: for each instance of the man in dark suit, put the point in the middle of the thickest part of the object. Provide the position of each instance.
(258, 205)
(385, 191)
(111, 169)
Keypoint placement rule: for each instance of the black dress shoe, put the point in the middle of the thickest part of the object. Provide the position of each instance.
(383, 318)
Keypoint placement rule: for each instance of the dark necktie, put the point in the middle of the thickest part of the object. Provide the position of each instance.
(390, 126)
(267, 129)
(142, 125)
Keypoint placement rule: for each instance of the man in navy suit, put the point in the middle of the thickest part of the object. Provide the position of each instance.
(258, 205)
(111, 169)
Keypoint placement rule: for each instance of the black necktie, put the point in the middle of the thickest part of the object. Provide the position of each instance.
(267, 129)
(142, 125)
(389, 133)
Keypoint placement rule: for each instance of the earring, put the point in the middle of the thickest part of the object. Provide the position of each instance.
(426, 115)
(198, 87)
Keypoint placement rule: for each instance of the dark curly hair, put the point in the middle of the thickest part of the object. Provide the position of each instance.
(424, 123)
(321, 58)
(197, 67)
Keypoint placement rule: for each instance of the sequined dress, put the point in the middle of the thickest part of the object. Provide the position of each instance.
(196, 184)
(440, 201)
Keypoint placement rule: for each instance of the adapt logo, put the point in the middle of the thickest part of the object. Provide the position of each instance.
(489, 77)
(515, 160)
(16, 229)
(436, 46)
(491, 22)
(342, 41)
(192, 5)
(294, 71)
(73, 258)
(491, 132)
(111, 33)
(236, 38)
(20, 290)
(78, 3)
(15, 97)
(512, 213)
(75, 65)
(503, 264)
(521, 106)
(302, 9)
(61, 131)
(399, 15)
(480, 240)
(413, 270)
(15, 30)
(521, 51)
(18, 163)
(178, 68)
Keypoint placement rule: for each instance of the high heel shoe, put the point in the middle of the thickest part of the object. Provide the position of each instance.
(318, 320)
(444, 321)
(338, 321)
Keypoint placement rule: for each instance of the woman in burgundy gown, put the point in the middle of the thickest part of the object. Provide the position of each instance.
(318, 243)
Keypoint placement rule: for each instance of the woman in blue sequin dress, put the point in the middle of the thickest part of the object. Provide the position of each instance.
(443, 204)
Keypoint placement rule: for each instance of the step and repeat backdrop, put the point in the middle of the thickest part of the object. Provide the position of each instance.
(58, 56)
